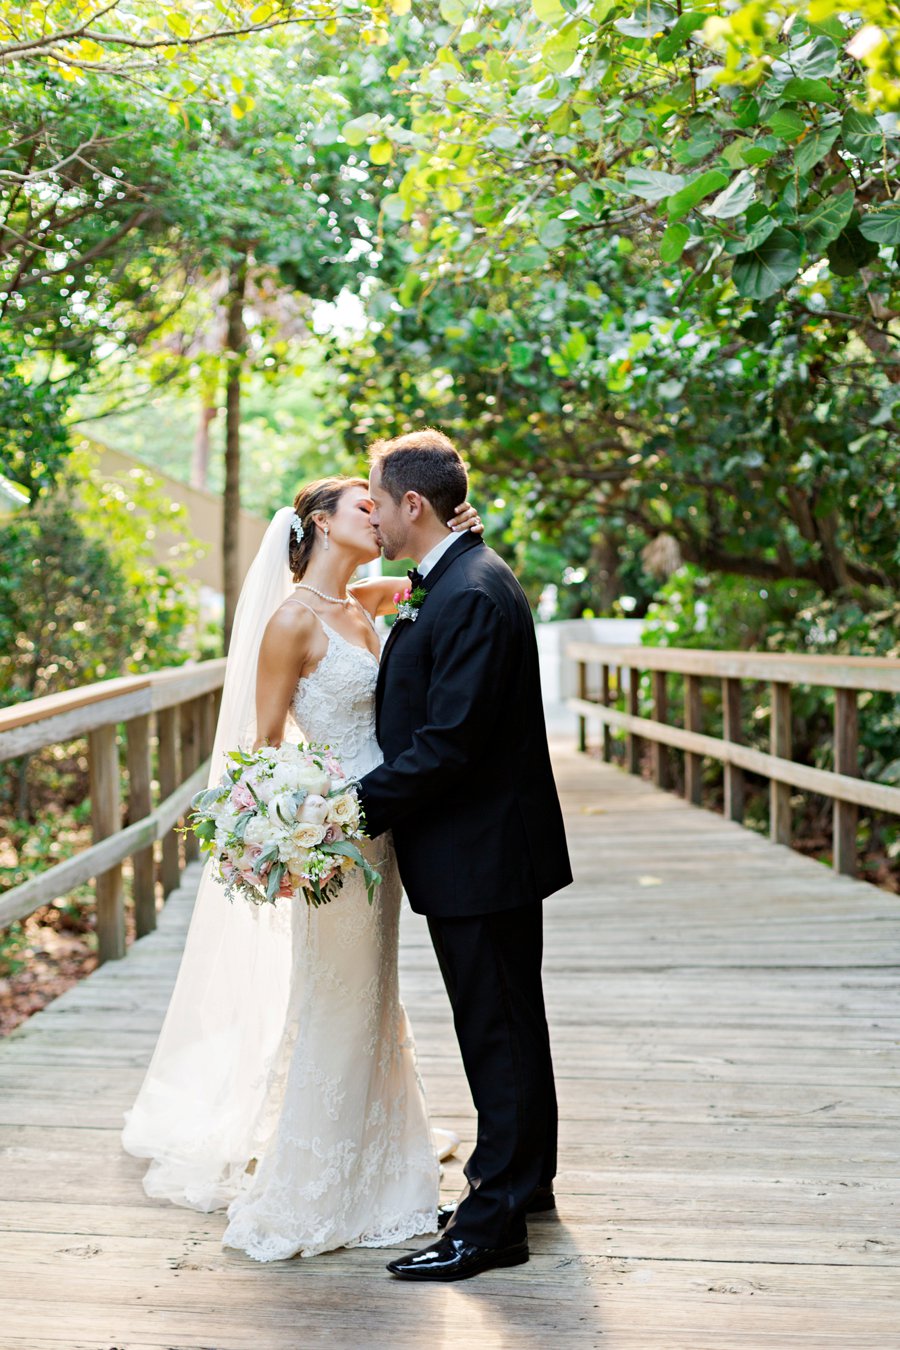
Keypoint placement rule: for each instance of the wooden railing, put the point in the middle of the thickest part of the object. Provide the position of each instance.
(172, 711)
(619, 671)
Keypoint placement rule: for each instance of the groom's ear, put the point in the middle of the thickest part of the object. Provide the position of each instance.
(414, 505)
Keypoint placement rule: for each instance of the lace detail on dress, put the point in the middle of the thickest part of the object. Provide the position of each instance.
(335, 705)
(342, 1152)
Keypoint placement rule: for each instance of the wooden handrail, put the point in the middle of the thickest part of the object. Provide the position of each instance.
(847, 676)
(26, 727)
(880, 674)
(181, 702)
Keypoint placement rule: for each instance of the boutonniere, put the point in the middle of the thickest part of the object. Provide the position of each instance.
(409, 602)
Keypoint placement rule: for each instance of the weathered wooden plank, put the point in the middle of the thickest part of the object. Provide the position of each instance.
(846, 761)
(140, 805)
(106, 820)
(732, 731)
(167, 735)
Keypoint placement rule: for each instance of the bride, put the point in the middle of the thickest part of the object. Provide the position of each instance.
(284, 1085)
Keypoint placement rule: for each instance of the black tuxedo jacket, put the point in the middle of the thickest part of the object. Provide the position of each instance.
(466, 784)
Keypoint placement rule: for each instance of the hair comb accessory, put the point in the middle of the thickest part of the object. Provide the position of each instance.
(296, 527)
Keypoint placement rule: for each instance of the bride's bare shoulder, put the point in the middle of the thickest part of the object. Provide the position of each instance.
(293, 623)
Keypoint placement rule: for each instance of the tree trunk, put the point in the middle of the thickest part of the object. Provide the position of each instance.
(235, 339)
(200, 461)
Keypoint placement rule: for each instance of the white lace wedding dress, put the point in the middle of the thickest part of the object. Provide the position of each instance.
(349, 1159)
(338, 1151)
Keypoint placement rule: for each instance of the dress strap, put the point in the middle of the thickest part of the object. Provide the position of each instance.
(369, 617)
(304, 605)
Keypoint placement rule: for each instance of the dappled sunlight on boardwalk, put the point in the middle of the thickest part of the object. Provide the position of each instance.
(725, 1026)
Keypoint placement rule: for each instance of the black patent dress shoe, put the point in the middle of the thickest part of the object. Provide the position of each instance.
(542, 1201)
(453, 1258)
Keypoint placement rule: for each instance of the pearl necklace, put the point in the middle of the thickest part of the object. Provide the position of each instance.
(334, 599)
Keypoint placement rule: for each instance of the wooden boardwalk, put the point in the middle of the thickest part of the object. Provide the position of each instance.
(726, 1030)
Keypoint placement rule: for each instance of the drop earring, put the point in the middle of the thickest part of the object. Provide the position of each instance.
(327, 545)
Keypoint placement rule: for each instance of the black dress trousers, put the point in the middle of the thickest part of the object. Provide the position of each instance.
(491, 965)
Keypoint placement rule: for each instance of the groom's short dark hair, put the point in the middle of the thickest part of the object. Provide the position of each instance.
(426, 462)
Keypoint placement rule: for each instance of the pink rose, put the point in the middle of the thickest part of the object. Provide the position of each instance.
(332, 834)
(242, 797)
(286, 889)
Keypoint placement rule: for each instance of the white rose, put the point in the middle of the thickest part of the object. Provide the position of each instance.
(258, 831)
(282, 809)
(344, 810)
(289, 753)
(314, 780)
(307, 834)
(263, 787)
(314, 810)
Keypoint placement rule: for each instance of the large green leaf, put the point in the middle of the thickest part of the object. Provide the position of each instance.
(815, 147)
(882, 224)
(814, 59)
(808, 91)
(676, 39)
(850, 251)
(826, 220)
(646, 21)
(787, 124)
(695, 191)
(768, 267)
(673, 241)
(733, 200)
(652, 185)
(552, 233)
(559, 51)
(862, 135)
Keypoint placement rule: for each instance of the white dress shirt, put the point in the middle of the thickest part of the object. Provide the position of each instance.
(425, 566)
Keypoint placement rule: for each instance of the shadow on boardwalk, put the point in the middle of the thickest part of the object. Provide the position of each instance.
(725, 1025)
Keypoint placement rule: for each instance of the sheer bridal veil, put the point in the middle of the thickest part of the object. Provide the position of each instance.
(198, 1113)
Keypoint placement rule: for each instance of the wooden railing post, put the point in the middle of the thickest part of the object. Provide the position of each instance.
(190, 761)
(106, 819)
(731, 731)
(633, 742)
(846, 761)
(693, 721)
(582, 693)
(606, 700)
(661, 773)
(780, 793)
(167, 732)
(207, 724)
(139, 806)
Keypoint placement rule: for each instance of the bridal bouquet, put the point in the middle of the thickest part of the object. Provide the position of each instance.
(283, 821)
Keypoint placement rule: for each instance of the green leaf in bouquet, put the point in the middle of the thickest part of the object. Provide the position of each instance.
(240, 825)
(268, 855)
(273, 885)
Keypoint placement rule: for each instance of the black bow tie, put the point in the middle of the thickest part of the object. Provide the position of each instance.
(415, 578)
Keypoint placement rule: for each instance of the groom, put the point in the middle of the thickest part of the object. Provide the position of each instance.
(467, 788)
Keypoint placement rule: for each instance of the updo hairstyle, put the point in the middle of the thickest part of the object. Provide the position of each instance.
(322, 495)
